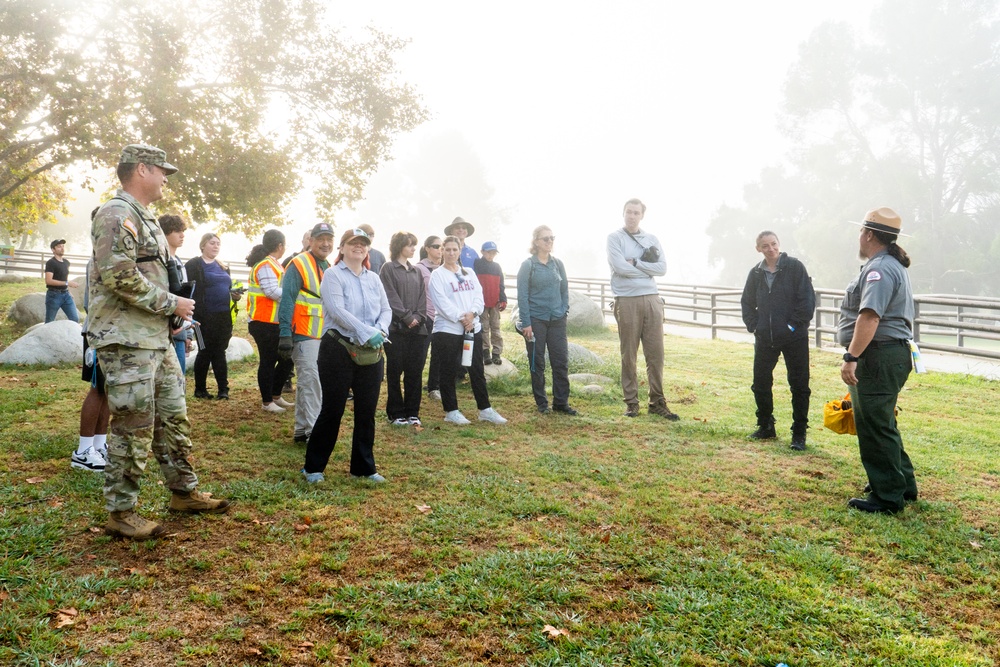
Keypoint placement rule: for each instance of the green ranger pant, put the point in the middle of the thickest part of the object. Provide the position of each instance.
(882, 372)
(146, 397)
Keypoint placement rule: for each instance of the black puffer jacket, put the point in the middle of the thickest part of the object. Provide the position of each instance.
(790, 301)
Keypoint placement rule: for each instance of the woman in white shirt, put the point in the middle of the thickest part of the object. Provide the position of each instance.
(458, 302)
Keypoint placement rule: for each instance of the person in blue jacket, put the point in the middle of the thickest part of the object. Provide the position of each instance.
(778, 303)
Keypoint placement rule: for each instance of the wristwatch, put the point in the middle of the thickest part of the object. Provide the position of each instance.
(848, 357)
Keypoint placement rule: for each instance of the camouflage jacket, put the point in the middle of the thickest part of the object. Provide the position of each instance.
(130, 303)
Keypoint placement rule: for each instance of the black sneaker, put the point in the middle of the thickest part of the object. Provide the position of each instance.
(764, 432)
(545, 410)
(201, 393)
(300, 439)
(224, 395)
(798, 442)
(632, 410)
(566, 410)
(497, 360)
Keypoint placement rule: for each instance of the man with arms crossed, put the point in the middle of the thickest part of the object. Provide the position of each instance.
(129, 328)
(636, 258)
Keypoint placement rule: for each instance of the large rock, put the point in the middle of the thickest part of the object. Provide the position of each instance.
(55, 343)
(503, 369)
(580, 358)
(591, 378)
(13, 278)
(238, 350)
(584, 314)
(29, 310)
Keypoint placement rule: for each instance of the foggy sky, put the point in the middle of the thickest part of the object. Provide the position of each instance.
(575, 107)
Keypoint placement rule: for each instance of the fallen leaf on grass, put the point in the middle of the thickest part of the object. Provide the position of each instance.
(305, 646)
(4, 595)
(301, 527)
(35, 480)
(307, 520)
(605, 538)
(95, 529)
(554, 632)
(700, 419)
(89, 557)
(424, 509)
(131, 570)
(254, 651)
(64, 617)
(258, 522)
(56, 503)
(542, 518)
(893, 545)
(975, 545)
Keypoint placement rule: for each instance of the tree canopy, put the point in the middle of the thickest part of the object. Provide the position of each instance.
(246, 96)
(905, 115)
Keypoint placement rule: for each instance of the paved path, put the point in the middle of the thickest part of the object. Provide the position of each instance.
(933, 361)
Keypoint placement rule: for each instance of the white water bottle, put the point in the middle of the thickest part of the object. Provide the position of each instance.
(467, 349)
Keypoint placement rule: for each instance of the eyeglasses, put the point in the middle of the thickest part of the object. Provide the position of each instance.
(435, 246)
(547, 239)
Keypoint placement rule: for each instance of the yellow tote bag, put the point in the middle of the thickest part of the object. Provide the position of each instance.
(838, 416)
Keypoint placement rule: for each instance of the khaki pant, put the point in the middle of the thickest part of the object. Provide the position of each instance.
(308, 392)
(148, 411)
(492, 339)
(640, 319)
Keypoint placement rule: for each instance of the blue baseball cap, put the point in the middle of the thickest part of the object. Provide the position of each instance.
(489, 245)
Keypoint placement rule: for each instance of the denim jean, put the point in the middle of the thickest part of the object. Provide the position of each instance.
(56, 300)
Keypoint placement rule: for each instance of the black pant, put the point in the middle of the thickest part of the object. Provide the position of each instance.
(448, 348)
(338, 375)
(405, 358)
(216, 330)
(550, 334)
(765, 358)
(433, 368)
(272, 371)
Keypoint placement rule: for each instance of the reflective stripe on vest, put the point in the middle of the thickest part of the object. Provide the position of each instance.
(307, 319)
(260, 307)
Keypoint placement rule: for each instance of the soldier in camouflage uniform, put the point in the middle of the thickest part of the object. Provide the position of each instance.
(130, 309)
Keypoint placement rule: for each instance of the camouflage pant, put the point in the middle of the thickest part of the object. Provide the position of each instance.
(146, 396)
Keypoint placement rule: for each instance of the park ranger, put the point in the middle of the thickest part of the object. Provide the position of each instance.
(131, 307)
(876, 323)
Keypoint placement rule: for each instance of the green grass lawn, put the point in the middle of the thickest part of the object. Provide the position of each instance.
(647, 542)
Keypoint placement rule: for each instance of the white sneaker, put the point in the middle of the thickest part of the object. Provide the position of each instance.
(491, 415)
(400, 421)
(456, 417)
(273, 407)
(282, 403)
(435, 394)
(414, 421)
(89, 460)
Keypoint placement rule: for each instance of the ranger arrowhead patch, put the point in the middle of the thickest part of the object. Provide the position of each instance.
(873, 276)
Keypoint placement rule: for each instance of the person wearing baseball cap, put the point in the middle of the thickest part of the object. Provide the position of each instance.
(300, 325)
(462, 230)
(129, 329)
(57, 284)
(876, 325)
(490, 276)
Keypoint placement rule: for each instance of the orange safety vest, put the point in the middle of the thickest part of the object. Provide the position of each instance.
(307, 319)
(260, 307)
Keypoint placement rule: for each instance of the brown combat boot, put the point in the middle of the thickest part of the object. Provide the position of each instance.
(197, 502)
(660, 408)
(130, 525)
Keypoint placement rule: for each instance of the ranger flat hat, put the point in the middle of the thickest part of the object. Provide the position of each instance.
(882, 219)
(450, 229)
(136, 153)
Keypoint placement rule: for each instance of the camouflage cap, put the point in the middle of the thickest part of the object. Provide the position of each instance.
(136, 153)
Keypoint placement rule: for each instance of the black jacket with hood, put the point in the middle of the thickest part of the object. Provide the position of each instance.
(790, 301)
